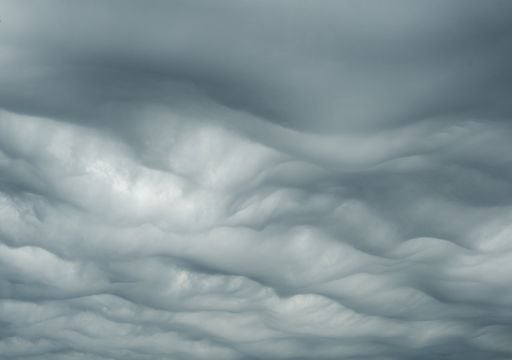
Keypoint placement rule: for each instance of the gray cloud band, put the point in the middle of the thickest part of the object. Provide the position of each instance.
(255, 180)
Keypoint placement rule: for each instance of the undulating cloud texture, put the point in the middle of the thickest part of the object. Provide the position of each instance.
(256, 179)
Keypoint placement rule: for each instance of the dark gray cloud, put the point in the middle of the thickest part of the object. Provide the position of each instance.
(255, 180)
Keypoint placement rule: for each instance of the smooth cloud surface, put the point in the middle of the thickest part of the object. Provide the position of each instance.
(255, 180)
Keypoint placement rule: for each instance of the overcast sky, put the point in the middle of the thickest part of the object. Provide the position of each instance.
(256, 179)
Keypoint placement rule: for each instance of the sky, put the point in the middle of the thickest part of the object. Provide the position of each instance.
(255, 179)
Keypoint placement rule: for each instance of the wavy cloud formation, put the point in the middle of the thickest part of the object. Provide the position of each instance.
(255, 180)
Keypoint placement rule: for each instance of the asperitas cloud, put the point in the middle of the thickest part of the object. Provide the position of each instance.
(255, 179)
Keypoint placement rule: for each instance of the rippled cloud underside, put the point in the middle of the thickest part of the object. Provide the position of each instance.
(255, 180)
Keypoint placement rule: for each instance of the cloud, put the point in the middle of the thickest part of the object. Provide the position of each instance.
(255, 180)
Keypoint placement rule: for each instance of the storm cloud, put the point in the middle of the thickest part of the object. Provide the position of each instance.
(256, 179)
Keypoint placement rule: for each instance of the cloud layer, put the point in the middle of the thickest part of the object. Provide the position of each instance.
(255, 180)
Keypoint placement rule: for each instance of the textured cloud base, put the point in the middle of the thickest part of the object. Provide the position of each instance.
(255, 180)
